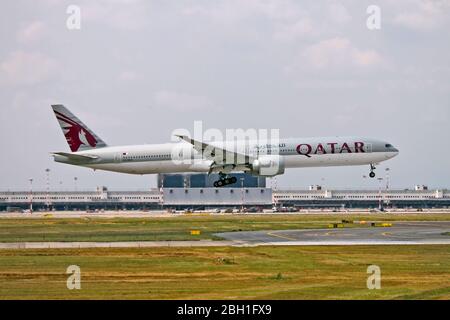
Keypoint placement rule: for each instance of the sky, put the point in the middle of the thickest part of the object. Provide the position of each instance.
(135, 70)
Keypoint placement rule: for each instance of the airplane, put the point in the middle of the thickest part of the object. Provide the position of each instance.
(259, 158)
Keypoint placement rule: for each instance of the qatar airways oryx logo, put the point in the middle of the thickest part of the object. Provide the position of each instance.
(75, 134)
(306, 149)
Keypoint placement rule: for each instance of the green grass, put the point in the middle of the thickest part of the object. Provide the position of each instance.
(173, 228)
(316, 272)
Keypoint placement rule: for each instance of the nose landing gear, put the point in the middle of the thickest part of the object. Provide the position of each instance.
(372, 173)
(224, 180)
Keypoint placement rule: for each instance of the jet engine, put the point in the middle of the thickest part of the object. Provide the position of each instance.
(268, 166)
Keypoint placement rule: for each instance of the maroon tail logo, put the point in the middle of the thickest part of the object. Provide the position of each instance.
(75, 134)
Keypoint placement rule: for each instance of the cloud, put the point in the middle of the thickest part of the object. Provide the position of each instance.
(290, 32)
(128, 76)
(288, 20)
(338, 13)
(181, 101)
(234, 10)
(428, 15)
(23, 68)
(126, 15)
(285, 21)
(338, 52)
(31, 33)
(126, 51)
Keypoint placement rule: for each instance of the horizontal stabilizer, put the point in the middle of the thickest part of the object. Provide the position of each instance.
(76, 157)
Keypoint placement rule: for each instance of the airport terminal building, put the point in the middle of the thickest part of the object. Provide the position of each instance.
(195, 193)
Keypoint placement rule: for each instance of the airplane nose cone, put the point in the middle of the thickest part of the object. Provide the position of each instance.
(395, 152)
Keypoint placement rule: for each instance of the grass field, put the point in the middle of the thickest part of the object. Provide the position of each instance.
(322, 272)
(334, 272)
(175, 228)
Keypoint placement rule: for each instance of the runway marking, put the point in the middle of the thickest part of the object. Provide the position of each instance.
(280, 236)
(386, 234)
(336, 234)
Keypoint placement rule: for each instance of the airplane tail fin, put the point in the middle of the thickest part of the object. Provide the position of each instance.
(78, 135)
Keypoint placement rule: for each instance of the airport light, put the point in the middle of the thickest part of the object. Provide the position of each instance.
(161, 191)
(387, 183)
(47, 171)
(242, 194)
(380, 204)
(31, 195)
(387, 178)
(274, 182)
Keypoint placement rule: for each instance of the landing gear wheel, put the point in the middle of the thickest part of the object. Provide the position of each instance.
(223, 181)
(220, 183)
(372, 173)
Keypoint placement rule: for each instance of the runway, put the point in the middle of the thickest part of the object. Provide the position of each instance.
(401, 233)
(123, 244)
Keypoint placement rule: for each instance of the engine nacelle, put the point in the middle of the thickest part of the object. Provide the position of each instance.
(268, 166)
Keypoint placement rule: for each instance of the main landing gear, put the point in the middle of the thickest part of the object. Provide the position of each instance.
(372, 173)
(224, 180)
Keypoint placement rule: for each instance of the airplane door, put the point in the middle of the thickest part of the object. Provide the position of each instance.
(368, 148)
(118, 157)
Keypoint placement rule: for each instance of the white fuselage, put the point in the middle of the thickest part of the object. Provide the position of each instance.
(181, 156)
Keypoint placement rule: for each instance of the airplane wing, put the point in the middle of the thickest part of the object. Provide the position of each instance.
(75, 157)
(220, 157)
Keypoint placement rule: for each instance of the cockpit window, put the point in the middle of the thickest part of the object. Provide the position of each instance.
(389, 145)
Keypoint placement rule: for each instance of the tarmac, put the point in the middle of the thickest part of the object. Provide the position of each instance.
(123, 244)
(401, 233)
(165, 214)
